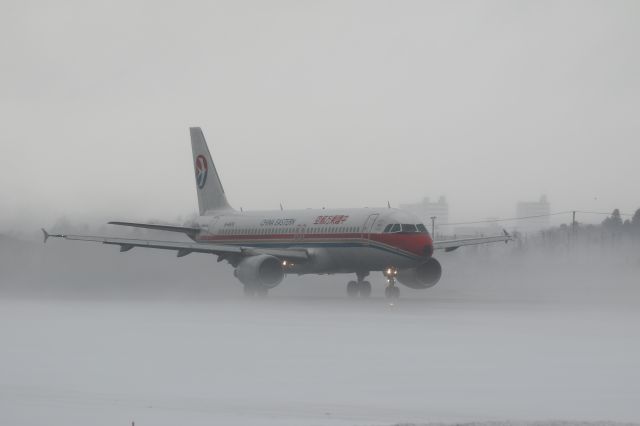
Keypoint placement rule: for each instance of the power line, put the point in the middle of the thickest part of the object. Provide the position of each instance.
(529, 217)
(606, 214)
(506, 219)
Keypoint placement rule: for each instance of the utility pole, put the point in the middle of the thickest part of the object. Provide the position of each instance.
(572, 233)
(433, 226)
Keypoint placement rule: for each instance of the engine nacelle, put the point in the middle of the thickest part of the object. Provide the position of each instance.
(424, 276)
(261, 270)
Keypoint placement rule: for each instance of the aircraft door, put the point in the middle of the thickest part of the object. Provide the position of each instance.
(368, 225)
(209, 227)
(299, 232)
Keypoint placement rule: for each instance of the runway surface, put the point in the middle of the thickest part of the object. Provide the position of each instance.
(316, 361)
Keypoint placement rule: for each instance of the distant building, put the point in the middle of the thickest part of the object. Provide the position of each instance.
(540, 210)
(427, 208)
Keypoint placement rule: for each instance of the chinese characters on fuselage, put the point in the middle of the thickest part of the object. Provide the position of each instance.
(331, 220)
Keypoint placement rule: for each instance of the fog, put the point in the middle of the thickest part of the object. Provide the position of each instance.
(517, 332)
(318, 104)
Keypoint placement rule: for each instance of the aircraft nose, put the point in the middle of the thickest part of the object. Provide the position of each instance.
(428, 249)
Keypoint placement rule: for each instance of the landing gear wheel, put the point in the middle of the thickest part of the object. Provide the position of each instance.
(352, 289)
(392, 292)
(364, 288)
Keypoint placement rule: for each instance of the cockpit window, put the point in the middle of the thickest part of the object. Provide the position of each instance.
(406, 227)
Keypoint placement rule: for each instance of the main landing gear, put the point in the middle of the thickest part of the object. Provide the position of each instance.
(391, 291)
(360, 287)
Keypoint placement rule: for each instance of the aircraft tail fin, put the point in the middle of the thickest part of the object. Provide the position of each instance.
(211, 195)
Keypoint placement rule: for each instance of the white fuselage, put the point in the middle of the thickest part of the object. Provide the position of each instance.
(337, 240)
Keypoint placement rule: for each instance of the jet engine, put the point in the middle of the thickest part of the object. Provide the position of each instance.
(261, 270)
(424, 276)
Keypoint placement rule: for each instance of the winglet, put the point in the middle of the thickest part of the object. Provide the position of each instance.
(46, 235)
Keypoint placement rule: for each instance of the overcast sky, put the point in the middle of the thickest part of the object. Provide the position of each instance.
(317, 104)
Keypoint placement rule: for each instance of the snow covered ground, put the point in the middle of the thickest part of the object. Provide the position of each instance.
(315, 361)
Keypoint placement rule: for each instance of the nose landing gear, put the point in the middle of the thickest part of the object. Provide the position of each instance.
(360, 287)
(391, 291)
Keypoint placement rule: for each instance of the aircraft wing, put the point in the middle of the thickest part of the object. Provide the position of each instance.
(451, 245)
(190, 232)
(223, 251)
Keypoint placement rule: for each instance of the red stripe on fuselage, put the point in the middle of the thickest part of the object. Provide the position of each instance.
(418, 244)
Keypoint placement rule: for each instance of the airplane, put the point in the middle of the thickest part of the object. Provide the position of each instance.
(265, 246)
